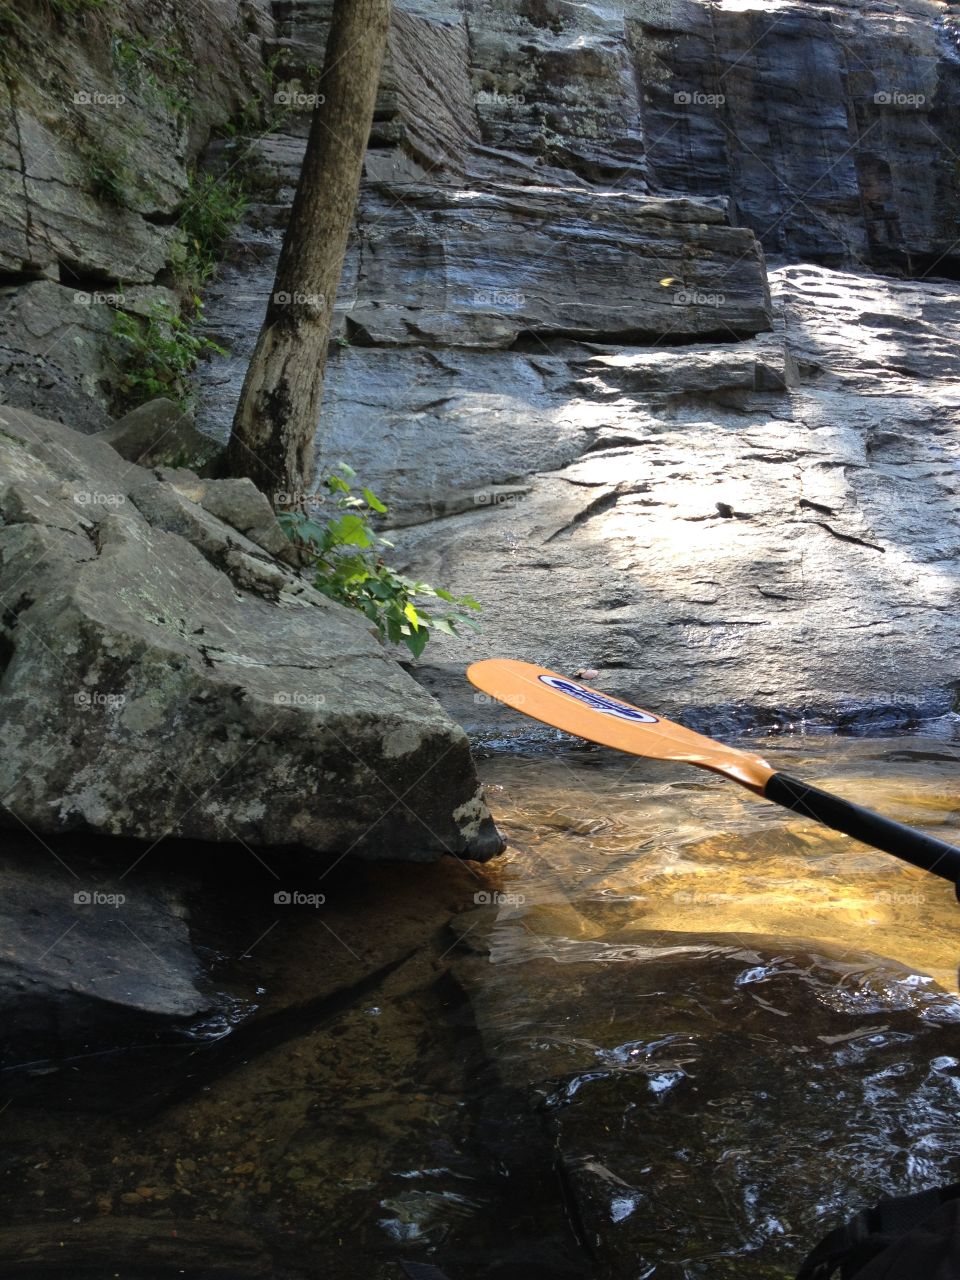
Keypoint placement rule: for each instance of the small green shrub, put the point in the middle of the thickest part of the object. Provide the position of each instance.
(346, 553)
(157, 353)
(110, 176)
(213, 208)
(158, 67)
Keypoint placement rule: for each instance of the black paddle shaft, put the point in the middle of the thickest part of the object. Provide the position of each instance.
(882, 833)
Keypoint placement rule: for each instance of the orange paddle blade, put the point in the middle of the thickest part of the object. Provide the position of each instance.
(575, 708)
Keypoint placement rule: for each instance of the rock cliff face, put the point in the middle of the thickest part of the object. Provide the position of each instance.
(566, 373)
(833, 128)
(102, 117)
(559, 357)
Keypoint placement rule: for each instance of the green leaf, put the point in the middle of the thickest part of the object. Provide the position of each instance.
(416, 641)
(351, 530)
(374, 502)
(445, 625)
(349, 567)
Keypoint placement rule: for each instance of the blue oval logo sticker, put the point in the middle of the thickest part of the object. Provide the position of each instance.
(598, 701)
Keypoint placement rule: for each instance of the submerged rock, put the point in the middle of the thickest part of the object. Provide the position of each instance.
(165, 675)
(730, 1099)
(87, 961)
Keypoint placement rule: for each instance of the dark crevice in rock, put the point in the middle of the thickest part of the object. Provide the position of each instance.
(7, 650)
(92, 531)
(13, 279)
(600, 504)
(163, 217)
(78, 275)
(15, 119)
(533, 342)
(848, 537)
(9, 620)
(929, 267)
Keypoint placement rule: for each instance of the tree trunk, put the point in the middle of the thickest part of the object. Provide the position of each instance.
(272, 440)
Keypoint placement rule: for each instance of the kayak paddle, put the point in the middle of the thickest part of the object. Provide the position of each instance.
(576, 708)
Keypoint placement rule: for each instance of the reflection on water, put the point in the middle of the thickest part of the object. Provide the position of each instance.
(739, 1026)
(601, 841)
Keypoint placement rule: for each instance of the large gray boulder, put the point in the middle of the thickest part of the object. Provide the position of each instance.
(164, 675)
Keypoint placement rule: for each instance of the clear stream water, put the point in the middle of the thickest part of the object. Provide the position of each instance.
(601, 841)
(674, 1033)
(740, 1025)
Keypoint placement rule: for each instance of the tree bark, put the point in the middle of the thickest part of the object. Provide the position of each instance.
(272, 441)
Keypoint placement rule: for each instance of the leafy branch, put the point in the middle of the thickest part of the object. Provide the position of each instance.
(349, 568)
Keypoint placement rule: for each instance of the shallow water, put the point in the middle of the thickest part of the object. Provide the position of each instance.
(739, 1025)
(600, 841)
(674, 1033)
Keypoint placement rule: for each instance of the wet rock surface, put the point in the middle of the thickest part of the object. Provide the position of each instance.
(87, 962)
(777, 534)
(164, 675)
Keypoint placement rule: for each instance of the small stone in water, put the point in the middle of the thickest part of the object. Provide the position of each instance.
(586, 673)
